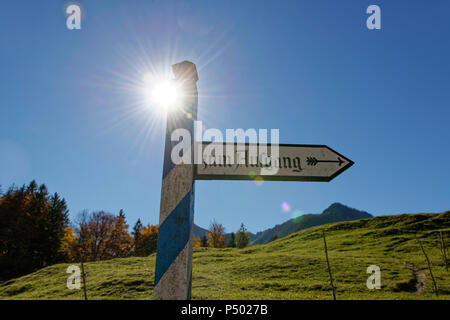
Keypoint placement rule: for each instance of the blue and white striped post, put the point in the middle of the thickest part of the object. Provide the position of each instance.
(173, 272)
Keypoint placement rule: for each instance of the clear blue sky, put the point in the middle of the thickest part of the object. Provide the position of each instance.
(69, 115)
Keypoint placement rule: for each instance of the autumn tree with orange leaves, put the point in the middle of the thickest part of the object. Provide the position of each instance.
(68, 245)
(102, 236)
(146, 242)
(197, 242)
(121, 241)
(216, 237)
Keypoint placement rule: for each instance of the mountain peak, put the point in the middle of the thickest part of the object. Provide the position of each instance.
(344, 212)
(337, 212)
(337, 205)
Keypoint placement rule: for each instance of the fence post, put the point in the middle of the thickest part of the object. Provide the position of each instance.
(443, 250)
(83, 276)
(328, 266)
(429, 266)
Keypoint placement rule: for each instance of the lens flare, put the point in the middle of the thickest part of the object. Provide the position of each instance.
(131, 108)
(285, 207)
(259, 181)
(297, 215)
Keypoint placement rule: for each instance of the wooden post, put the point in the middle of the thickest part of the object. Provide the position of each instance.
(443, 250)
(83, 276)
(328, 266)
(429, 266)
(173, 272)
(445, 246)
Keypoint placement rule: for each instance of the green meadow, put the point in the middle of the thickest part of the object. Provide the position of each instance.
(293, 267)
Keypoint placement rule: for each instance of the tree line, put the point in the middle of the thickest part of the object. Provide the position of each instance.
(35, 232)
(216, 238)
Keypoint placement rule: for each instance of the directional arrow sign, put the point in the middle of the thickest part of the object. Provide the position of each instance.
(299, 162)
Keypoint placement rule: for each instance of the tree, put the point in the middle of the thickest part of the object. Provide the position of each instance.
(242, 237)
(68, 245)
(204, 242)
(216, 238)
(148, 240)
(94, 232)
(136, 233)
(145, 239)
(103, 236)
(232, 242)
(275, 237)
(196, 242)
(32, 225)
(121, 241)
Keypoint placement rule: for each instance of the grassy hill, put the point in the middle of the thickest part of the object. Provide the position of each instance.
(289, 268)
(334, 213)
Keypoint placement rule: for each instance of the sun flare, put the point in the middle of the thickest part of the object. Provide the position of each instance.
(164, 94)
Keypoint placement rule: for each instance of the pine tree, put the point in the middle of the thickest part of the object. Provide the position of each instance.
(136, 233)
(242, 237)
(32, 225)
(232, 243)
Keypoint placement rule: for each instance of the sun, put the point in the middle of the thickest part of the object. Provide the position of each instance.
(162, 93)
(165, 93)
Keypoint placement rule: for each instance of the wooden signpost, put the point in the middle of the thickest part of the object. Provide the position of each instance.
(173, 271)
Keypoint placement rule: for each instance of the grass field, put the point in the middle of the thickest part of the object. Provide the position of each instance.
(293, 267)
